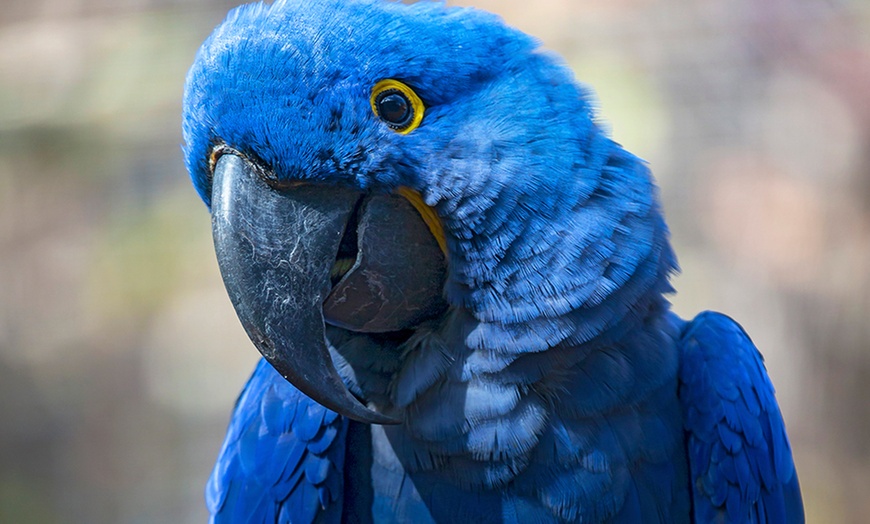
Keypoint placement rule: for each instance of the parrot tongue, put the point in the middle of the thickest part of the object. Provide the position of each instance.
(292, 259)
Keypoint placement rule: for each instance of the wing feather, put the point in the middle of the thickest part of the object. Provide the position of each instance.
(282, 459)
(739, 455)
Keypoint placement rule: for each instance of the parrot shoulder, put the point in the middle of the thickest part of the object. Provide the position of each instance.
(282, 459)
(740, 459)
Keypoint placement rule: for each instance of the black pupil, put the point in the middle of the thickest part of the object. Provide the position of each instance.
(394, 108)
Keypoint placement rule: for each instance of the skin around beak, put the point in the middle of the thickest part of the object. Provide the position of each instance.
(275, 249)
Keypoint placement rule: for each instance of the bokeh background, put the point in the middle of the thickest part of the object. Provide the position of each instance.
(120, 356)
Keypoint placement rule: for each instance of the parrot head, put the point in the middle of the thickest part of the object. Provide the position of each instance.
(372, 165)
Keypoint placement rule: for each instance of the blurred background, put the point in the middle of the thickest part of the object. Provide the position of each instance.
(120, 356)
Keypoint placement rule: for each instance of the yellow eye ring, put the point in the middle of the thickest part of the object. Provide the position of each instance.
(397, 105)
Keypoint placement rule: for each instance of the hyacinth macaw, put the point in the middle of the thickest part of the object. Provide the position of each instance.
(456, 281)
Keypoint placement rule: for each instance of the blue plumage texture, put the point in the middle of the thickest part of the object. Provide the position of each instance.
(557, 386)
(282, 460)
(741, 464)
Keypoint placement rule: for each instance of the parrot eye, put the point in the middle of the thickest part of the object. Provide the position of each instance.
(394, 108)
(397, 105)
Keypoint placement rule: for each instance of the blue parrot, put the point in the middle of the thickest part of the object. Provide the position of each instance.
(456, 281)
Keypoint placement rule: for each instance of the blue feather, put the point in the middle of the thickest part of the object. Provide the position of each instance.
(739, 456)
(268, 469)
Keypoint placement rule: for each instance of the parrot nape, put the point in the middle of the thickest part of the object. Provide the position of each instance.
(456, 281)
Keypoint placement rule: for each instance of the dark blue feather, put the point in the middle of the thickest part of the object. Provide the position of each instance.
(739, 455)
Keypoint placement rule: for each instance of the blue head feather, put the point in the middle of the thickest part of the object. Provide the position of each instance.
(533, 195)
(290, 83)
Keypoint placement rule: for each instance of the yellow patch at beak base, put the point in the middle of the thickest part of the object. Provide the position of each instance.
(428, 214)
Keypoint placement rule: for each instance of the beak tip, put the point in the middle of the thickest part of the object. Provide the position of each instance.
(345, 404)
(384, 419)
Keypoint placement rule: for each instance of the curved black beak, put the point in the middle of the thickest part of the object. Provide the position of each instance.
(275, 250)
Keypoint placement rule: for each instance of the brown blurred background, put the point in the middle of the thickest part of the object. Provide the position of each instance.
(120, 356)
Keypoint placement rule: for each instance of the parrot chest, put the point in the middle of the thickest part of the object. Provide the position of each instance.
(597, 440)
(607, 470)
